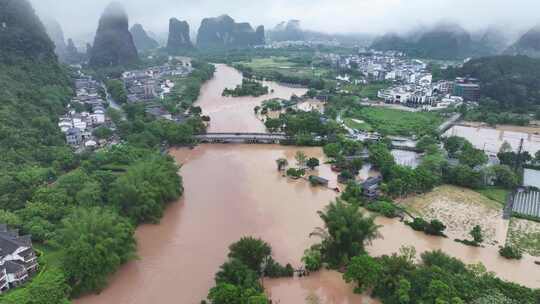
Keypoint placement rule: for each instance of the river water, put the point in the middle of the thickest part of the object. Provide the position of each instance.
(235, 190)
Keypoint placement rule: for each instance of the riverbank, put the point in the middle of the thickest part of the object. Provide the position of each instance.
(235, 190)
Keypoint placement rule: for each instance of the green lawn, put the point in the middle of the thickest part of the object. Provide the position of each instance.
(495, 194)
(369, 91)
(397, 122)
(268, 65)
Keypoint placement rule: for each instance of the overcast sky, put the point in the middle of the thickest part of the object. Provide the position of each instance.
(80, 17)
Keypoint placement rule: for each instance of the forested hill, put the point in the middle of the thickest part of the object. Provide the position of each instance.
(513, 81)
(35, 90)
(80, 209)
(444, 41)
(22, 34)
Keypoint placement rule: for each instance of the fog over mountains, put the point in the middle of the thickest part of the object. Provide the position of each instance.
(343, 16)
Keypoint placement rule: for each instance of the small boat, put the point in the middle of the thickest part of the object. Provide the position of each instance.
(537, 263)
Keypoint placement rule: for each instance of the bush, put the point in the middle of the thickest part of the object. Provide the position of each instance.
(385, 208)
(295, 173)
(418, 224)
(435, 227)
(274, 270)
(312, 259)
(510, 252)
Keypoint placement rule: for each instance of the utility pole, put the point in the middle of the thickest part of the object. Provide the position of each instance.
(518, 157)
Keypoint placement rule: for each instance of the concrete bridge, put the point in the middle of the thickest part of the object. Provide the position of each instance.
(242, 138)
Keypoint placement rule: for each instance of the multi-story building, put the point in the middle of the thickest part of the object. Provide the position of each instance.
(467, 88)
(18, 260)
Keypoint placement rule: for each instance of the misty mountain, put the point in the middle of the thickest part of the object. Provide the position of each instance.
(72, 54)
(224, 32)
(513, 81)
(287, 31)
(494, 40)
(443, 41)
(142, 41)
(528, 44)
(292, 31)
(113, 44)
(391, 42)
(22, 33)
(179, 37)
(55, 32)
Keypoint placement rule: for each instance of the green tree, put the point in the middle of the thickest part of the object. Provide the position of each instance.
(380, 156)
(231, 294)
(237, 273)
(332, 150)
(281, 163)
(49, 287)
(312, 259)
(117, 90)
(102, 132)
(403, 292)
(312, 163)
(477, 234)
(142, 192)
(505, 177)
(301, 159)
(472, 157)
(505, 147)
(365, 271)
(251, 251)
(95, 243)
(347, 231)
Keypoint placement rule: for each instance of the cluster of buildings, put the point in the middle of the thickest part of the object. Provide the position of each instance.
(411, 81)
(86, 112)
(18, 260)
(151, 83)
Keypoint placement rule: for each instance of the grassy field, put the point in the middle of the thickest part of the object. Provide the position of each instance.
(495, 194)
(525, 235)
(282, 65)
(397, 122)
(366, 91)
(460, 209)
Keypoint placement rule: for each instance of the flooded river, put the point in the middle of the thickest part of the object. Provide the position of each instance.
(235, 190)
(230, 114)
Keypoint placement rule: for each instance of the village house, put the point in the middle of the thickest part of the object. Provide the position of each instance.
(18, 261)
(370, 187)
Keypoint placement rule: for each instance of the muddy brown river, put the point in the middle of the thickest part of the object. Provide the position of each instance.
(235, 190)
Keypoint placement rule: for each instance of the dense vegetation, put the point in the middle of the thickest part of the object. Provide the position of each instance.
(247, 88)
(238, 280)
(438, 278)
(81, 209)
(511, 81)
(307, 128)
(117, 90)
(187, 89)
(398, 278)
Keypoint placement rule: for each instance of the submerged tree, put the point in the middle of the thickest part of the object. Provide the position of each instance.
(281, 163)
(251, 251)
(301, 159)
(347, 230)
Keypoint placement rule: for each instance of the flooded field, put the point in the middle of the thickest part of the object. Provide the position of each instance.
(235, 190)
(491, 140)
